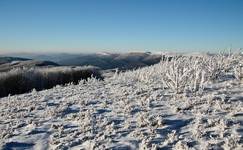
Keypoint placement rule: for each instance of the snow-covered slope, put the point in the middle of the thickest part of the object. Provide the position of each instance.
(181, 104)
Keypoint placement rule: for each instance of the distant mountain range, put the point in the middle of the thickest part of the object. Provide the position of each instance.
(104, 61)
(122, 61)
(8, 63)
(4, 60)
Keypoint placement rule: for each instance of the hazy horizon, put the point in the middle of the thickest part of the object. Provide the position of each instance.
(120, 26)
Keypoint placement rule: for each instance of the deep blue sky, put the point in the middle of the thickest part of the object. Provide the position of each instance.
(107, 25)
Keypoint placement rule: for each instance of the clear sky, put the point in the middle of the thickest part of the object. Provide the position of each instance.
(121, 25)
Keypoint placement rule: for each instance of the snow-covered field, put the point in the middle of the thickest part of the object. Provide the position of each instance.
(186, 103)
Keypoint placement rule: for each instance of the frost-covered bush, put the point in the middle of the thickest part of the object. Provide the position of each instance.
(238, 70)
(22, 80)
(184, 73)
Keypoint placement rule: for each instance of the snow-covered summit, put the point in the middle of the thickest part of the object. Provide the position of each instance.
(186, 103)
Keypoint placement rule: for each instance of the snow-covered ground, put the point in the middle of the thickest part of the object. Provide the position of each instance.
(187, 103)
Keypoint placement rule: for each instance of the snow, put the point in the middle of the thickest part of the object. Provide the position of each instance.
(138, 109)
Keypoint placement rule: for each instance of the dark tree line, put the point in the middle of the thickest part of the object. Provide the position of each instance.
(20, 81)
